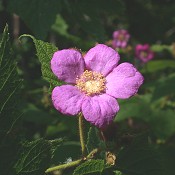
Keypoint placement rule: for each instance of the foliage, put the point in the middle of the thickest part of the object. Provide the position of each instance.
(10, 84)
(44, 53)
(90, 166)
(35, 156)
(40, 19)
(93, 139)
(140, 160)
(86, 14)
(35, 137)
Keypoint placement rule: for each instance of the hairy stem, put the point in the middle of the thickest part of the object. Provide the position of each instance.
(73, 163)
(83, 148)
(92, 153)
(64, 166)
(81, 132)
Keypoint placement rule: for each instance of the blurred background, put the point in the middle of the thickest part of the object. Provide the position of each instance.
(81, 24)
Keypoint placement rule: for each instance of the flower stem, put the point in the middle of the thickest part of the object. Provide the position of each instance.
(63, 166)
(73, 163)
(92, 153)
(81, 132)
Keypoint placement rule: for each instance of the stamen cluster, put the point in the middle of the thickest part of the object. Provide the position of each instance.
(91, 83)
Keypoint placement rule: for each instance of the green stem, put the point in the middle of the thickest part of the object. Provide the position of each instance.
(64, 166)
(83, 148)
(81, 132)
(73, 163)
(92, 153)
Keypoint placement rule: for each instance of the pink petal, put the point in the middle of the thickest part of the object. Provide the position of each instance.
(115, 34)
(124, 81)
(114, 44)
(67, 99)
(145, 47)
(102, 59)
(100, 110)
(150, 55)
(139, 47)
(67, 64)
(123, 44)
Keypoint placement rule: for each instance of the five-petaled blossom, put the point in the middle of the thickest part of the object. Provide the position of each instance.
(93, 83)
(120, 38)
(144, 53)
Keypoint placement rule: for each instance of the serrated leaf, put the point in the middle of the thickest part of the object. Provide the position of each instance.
(9, 105)
(9, 86)
(68, 150)
(35, 156)
(91, 166)
(3, 43)
(39, 15)
(93, 140)
(140, 158)
(45, 52)
(8, 154)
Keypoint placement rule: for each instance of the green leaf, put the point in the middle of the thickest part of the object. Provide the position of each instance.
(9, 147)
(89, 19)
(45, 52)
(140, 158)
(61, 26)
(160, 48)
(164, 87)
(9, 87)
(39, 15)
(153, 66)
(4, 43)
(67, 151)
(93, 139)
(88, 15)
(35, 156)
(118, 173)
(161, 122)
(91, 166)
(33, 114)
(168, 160)
(135, 107)
(1, 6)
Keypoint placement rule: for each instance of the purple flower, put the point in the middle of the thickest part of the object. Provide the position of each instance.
(93, 83)
(120, 38)
(144, 53)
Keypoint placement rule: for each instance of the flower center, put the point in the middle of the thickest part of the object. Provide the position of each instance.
(143, 54)
(91, 83)
(121, 37)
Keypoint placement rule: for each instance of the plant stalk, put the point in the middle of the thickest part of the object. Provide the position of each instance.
(81, 132)
(73, 163)
(83, 149)
(64, 166)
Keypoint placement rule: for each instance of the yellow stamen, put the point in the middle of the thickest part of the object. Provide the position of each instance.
(143, 54)
(91, 83)
(121, 37)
